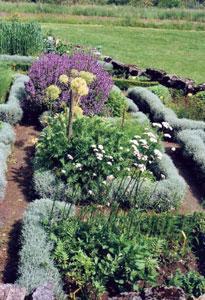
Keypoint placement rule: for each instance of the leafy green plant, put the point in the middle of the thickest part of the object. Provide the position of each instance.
(200, 95)
(116, 104)
(5, 81)
(98, 252)
(100, 156)
(192, 282)
(162, 92)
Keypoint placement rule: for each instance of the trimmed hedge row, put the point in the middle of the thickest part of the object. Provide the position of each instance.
(17, 58)
(11, 111)
(7, 138)
(193, 146)
(36, 266)
(150, 104)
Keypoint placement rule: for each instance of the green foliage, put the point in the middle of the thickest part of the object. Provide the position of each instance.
(5, 81)
(169, 3)
(20, 38)
(192, 282)
(201, 95)
(192, 107)
(116, 104)
(124, 84)
(162, 92)
(99, 151)
(101, 253)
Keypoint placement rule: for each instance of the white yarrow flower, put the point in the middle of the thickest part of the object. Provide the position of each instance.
(70, 157)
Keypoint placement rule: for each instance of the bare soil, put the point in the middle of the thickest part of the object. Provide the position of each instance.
(18, 194)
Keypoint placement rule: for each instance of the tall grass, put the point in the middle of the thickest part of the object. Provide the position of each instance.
(6, 75)
(20, 38)
(193, 15)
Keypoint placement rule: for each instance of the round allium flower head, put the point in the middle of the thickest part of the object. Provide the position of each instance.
(53, 92)
(79, 86)
(63, 79)
(89, 77)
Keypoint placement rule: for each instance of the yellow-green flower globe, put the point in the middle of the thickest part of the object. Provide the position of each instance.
(89, 77)
(79, 86)
(63, 79)
(53, 92)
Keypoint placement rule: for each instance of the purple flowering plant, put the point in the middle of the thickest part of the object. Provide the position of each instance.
(46, 72)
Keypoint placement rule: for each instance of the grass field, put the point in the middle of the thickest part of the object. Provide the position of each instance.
(176, 51)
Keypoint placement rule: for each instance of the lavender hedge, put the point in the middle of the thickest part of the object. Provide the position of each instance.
(49, 67)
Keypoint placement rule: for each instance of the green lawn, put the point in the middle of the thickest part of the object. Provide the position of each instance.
(176, 51)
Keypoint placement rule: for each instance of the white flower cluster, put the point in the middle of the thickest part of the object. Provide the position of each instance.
(100, 154)
(166, 126)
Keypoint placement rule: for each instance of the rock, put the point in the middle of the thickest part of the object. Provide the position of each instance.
(12, 292)
(164, 293)
(44, 292)
(127, 296)
(202, 297)
(155, 74)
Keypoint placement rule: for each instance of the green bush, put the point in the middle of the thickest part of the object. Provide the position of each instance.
(98, 149)
(6, 75)
(169, 3)
(20, 38)
(192, 282)
(201, 95)
(102, 253)
(116, 104)
(162, 92)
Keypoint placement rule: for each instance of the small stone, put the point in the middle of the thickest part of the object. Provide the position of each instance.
(202, 297)
(44, 292)
(12, 292)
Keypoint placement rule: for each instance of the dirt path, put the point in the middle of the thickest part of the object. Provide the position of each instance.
(18, 194)
(193, 197)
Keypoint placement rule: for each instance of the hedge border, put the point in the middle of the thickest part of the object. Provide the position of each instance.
(16, 58)
(150, 104)
(36, 265)
(11, 111)
(193, 148)
(7, 138)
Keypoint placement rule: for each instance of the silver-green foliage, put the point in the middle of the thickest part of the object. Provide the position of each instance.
(16, 58)
(193, 145)
(36, 266)
(20, 38)
(151, 104)
(7, 138)
(11, 111)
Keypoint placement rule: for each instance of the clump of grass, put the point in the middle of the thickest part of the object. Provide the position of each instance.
(6, 75)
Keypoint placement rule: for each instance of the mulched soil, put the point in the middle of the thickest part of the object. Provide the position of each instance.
(18, 195)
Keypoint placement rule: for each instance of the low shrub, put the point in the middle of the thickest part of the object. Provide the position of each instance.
(20, 38)
(201, 95)
(98, 157)
(192, 282)
(6, 75)
(7, 138)
(191, 107)
(36, 266)
(193, 146)
(116, 104)
(16, 59)
(104, 254)
(46, 72)
(162, 92)
(11, 111)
